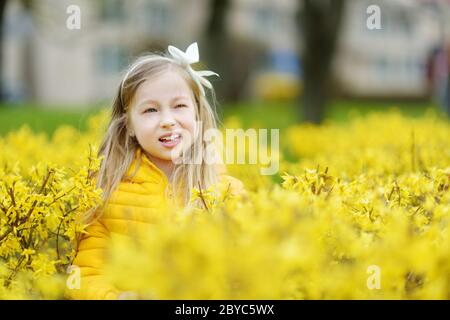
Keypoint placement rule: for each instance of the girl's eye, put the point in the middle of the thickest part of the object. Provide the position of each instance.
(151, 110)
(180, 106)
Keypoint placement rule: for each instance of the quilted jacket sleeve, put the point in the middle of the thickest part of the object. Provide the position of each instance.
(90, 261)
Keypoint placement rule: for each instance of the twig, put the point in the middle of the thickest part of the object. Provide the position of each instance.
(13, 273)
(59, 228)
(201, 197)
(24, 219)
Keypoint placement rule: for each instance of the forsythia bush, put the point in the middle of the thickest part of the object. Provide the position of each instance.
(363, 212)
(44, 190)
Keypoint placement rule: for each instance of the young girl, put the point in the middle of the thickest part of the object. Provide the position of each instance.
(158, 117)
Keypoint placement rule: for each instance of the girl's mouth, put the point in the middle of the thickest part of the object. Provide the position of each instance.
(170, 141)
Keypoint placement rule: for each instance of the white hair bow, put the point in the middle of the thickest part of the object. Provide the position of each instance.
(185, 59)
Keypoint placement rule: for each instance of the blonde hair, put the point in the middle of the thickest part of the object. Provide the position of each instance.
(118, 147)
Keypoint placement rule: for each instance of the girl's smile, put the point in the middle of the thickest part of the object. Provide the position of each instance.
(170, 140)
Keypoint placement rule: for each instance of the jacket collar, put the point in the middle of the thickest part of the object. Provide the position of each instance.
(147, 171)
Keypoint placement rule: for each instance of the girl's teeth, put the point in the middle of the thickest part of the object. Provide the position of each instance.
(171, 138)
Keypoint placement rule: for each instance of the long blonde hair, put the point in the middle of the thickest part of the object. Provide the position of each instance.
(118, 147)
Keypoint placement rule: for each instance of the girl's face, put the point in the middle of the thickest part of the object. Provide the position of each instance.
(162, 116)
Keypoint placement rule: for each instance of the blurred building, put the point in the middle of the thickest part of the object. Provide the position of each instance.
(46, 62)
(50, 64)
(391, 61)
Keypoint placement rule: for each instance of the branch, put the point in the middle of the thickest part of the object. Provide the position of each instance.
(24, 219)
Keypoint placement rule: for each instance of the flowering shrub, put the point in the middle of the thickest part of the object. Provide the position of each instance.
(44, 190)
(39, 214)
(362, 213)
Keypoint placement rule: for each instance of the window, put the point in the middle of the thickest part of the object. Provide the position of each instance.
(263, 20)
(112, 10)
(403, 22)
(111, 59)
(156, 15)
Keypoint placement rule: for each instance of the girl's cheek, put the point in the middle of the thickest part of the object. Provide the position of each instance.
(148, 127)
(189, 123)
(190, 110)
(185, 117)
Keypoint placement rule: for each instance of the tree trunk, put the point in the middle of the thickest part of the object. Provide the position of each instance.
(319, 22)
(215, 42)
(232, 58)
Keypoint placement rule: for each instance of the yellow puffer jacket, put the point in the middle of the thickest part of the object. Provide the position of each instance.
(132, 208)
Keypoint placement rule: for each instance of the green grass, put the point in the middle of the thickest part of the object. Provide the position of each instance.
(41, 119)
(282, 115)
(251, 114)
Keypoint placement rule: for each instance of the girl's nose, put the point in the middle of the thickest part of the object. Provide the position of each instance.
(167, 121)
